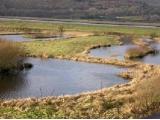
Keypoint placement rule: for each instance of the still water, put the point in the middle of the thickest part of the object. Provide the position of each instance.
(14, 38)
(117, 52)
(22, 38)
(58, 77)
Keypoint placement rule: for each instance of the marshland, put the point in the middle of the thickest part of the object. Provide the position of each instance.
(65, 70)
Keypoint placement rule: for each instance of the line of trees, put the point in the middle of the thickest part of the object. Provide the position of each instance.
(104, 9)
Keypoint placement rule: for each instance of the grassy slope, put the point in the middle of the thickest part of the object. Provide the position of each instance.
(19, 25)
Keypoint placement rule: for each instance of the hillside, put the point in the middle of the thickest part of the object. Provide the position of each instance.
(83, 9)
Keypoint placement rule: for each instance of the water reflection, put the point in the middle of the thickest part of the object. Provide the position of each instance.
(10, 83)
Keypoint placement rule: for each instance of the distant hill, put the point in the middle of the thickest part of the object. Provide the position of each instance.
(152, 2)
(133, 10)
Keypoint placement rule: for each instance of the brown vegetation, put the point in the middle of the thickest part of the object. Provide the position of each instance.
(10, 55)
(147, 96)
(153, 35)
(61, 30)
(43, 35)
(138, 52)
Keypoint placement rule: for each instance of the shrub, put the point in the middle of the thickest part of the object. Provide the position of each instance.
(61, 30)
(10, 55)
(153, 35)
(126, 39)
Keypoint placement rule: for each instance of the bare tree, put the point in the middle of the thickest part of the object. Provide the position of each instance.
(61, 30)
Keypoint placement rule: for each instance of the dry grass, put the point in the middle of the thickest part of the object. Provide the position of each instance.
(79, 34)
(10, 55)
(44, 34)
(138, 52)
(147, 97)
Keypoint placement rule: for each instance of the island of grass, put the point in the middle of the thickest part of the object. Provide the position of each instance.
(139, 52)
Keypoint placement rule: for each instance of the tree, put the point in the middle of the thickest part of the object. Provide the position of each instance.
(61, 30)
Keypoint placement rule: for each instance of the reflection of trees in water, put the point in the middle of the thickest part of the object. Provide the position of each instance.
(12, 82)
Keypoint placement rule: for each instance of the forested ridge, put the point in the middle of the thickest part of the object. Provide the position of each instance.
(83, 9)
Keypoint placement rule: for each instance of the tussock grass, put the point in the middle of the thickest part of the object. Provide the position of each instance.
(147, 96)
(138, 52)
(10, 55)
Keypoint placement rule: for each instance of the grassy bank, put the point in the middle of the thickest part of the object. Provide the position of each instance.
(68, 47)
(28, 26)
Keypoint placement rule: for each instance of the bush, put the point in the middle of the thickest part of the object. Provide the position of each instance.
(61, 30)
(10, 55)
(153, 35)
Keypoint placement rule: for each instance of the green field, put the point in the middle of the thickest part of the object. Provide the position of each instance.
(29, 26)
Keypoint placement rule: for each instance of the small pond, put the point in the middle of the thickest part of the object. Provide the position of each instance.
(58, 77)
(117, 52)
(22, 38)
(14, 38)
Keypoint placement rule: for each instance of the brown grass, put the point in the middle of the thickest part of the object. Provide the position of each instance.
(10, 55)
(147, 97)
(138, 52)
